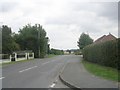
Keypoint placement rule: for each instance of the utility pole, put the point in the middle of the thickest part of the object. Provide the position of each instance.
(1, 23)
(47, 45)
(38, 40)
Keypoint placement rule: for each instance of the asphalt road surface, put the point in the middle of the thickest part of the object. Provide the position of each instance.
(38, 73)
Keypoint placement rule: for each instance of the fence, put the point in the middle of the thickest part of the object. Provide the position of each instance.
(21, 56)
(16, 56)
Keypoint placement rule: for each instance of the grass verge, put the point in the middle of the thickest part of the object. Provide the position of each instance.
(51, 55)
(102, 71)
(4, 64)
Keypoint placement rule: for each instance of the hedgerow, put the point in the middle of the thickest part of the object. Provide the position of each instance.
(105, 53)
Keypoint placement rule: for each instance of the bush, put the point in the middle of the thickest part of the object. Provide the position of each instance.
(56, 52)
(5, 56)
(105, 53)
(78, 53)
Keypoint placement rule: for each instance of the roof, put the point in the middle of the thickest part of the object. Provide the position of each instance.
(105, 38)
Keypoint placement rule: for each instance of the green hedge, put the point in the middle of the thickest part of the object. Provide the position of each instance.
(105, 53)
(56, 52)
(5, 56)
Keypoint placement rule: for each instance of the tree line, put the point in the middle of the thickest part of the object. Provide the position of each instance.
(28, 38)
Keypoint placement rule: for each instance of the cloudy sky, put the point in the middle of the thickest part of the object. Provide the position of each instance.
(63, 20)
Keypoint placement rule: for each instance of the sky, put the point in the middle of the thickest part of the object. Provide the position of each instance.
(63, 20)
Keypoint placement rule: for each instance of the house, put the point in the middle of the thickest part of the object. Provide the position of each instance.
(71, 51)
(105, 38)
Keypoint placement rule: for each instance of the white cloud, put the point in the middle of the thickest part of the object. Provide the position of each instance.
(64, 20)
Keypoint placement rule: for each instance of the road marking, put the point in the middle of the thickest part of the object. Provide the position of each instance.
(45, 63)
(48, 62)
(28, 69)
(56, 78)
(2, 77)
(52, 85)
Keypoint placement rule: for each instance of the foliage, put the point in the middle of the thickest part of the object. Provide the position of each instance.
(51, 55)
(118, 51)
(56, 52)
(105, 53)
(5, 56)
(84, 40)
(78, 53)
(33, 38)
(8, 43)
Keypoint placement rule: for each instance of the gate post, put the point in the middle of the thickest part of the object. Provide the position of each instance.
(15, 56)
(28, 56)
(10, 58)
(33, 55)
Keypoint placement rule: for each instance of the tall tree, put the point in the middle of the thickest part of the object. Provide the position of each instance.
(8, 43)
(33, 38)
(84, 40)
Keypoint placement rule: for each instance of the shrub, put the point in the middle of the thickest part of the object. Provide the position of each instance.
(5, 56)
(105, 53)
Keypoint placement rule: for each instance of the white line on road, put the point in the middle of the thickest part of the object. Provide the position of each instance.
(28, 69)
(48, 62)
(52, 85)
(2, 77)
(45, 63)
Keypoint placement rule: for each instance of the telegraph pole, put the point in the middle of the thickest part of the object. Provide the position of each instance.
(38, 40)
(1, 23)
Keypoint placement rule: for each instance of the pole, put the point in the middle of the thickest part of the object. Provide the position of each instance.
(38, 42)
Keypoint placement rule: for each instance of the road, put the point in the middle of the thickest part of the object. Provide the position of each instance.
(38, 73)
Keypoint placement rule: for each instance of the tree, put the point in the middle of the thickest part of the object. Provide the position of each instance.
(33, 38)
(8, 43)
(84, 40)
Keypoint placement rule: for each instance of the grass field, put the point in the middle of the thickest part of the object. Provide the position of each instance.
(102, 71)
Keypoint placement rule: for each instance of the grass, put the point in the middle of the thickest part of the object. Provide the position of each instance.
(102, 71)
(4, 64)
(51, 55)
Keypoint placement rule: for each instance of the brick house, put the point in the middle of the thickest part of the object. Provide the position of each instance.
(105, 38)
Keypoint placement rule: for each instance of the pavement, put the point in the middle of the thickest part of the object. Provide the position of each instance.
(74, 75)
(37, 73)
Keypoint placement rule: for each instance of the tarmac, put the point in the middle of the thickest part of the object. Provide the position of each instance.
(74, 75)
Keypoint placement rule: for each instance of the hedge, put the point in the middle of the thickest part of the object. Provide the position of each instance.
(5, 56)
(105, 53)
